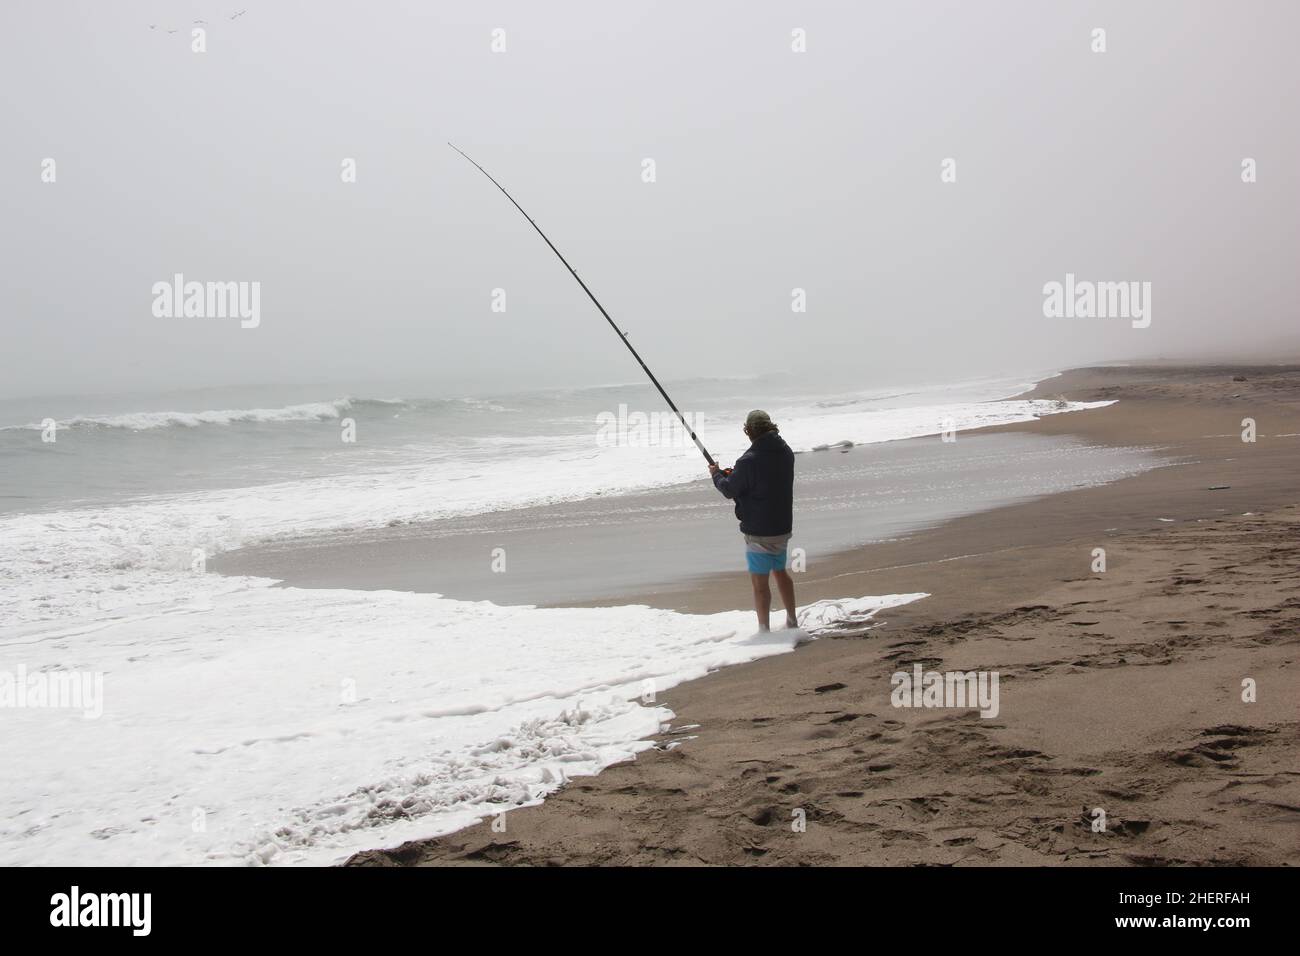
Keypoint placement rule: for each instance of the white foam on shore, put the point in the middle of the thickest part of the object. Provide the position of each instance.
(271, 725)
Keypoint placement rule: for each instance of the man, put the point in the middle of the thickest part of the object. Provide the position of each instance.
(762, 484)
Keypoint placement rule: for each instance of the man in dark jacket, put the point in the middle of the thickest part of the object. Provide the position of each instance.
(762, 485)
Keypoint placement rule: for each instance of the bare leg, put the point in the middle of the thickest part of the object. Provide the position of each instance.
(762, 601)
(785, 584)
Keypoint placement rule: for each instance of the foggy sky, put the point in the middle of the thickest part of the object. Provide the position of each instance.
(775, 170)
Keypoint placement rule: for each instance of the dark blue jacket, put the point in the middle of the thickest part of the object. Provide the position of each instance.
(762, 484)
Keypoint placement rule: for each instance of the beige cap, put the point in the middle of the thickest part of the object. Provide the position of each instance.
(759, 420)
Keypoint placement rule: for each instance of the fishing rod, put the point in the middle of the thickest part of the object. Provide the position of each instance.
(621, 334)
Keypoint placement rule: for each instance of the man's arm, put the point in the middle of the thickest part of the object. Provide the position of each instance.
(735, 484)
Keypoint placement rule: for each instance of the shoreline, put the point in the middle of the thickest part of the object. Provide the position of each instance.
(1181, 432)
(999, 582)
(576, 553)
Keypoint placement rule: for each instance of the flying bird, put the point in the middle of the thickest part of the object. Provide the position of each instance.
(238, 15)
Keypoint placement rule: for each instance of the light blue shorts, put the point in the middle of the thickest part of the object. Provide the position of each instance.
(766, 553)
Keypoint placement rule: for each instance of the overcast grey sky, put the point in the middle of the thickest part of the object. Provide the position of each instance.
(774, 170)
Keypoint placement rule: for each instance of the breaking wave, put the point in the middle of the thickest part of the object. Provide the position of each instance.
(305, 412)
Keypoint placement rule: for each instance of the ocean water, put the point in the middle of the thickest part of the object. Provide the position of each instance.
(111, 450)
(233, 722)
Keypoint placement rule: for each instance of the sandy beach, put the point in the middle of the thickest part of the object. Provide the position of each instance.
(823, 440)
(1121, 691)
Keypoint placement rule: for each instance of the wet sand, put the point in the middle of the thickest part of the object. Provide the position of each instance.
(600, 550)
(1120, 691)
